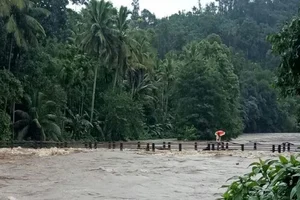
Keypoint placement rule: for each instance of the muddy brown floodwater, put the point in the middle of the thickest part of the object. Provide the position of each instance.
(107, 174)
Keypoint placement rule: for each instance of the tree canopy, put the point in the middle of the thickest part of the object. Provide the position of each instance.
(109, 74)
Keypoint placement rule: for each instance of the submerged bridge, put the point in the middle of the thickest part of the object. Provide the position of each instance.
(160, 145)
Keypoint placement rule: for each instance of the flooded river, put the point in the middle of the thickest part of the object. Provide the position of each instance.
(108, 175)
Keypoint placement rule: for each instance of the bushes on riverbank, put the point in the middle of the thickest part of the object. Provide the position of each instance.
(268, 180)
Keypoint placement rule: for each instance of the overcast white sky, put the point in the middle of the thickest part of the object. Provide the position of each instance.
(162, 8)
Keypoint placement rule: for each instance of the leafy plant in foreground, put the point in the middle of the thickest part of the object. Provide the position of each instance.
(269, 179)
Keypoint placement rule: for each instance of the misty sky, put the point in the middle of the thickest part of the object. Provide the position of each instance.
(162, 8)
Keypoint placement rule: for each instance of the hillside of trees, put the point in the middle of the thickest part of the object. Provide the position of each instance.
(110, 73)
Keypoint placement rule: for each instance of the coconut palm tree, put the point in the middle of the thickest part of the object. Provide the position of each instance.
(6, 5)
(99, 37)
(78, 124)
(167, 79)
(39, 122)
(123, 43)
(140, 60)
(23, 29)
(143, 88)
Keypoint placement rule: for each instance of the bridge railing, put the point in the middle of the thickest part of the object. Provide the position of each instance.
(153, 146)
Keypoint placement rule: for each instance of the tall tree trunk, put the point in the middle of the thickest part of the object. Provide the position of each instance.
(132, 85)
(166, 109)
(13, 120)
(5, 104)
(82, 101)
(115, 79)
(10, 54)
(94, 91)
(163, 100)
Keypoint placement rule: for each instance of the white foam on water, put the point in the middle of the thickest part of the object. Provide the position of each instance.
(8, 198)
(39, 152)
(236, 153)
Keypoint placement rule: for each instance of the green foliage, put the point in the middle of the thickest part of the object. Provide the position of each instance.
(262, 112)
(40, 122)
(11, 91)
(136, 8)
(123, 117)
(10, 88)
(78, 125)
(6, 5)
(5, 128)
(23, 26)
(187, 133)
(270, 179)
(99, 37)
(286, 44)
(208, 90)
(242, 25)
(120, 75)
(22, 29)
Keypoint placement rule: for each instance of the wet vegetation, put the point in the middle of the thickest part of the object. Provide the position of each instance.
(269, 179)
(110, 73)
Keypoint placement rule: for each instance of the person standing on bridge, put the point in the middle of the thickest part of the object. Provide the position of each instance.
(219, 134)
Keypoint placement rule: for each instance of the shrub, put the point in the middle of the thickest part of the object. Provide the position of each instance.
(5, 130)
(268, 180)
(187, 133)
(123, 117)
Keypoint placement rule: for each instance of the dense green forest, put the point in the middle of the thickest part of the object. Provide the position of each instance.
(111, 73)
